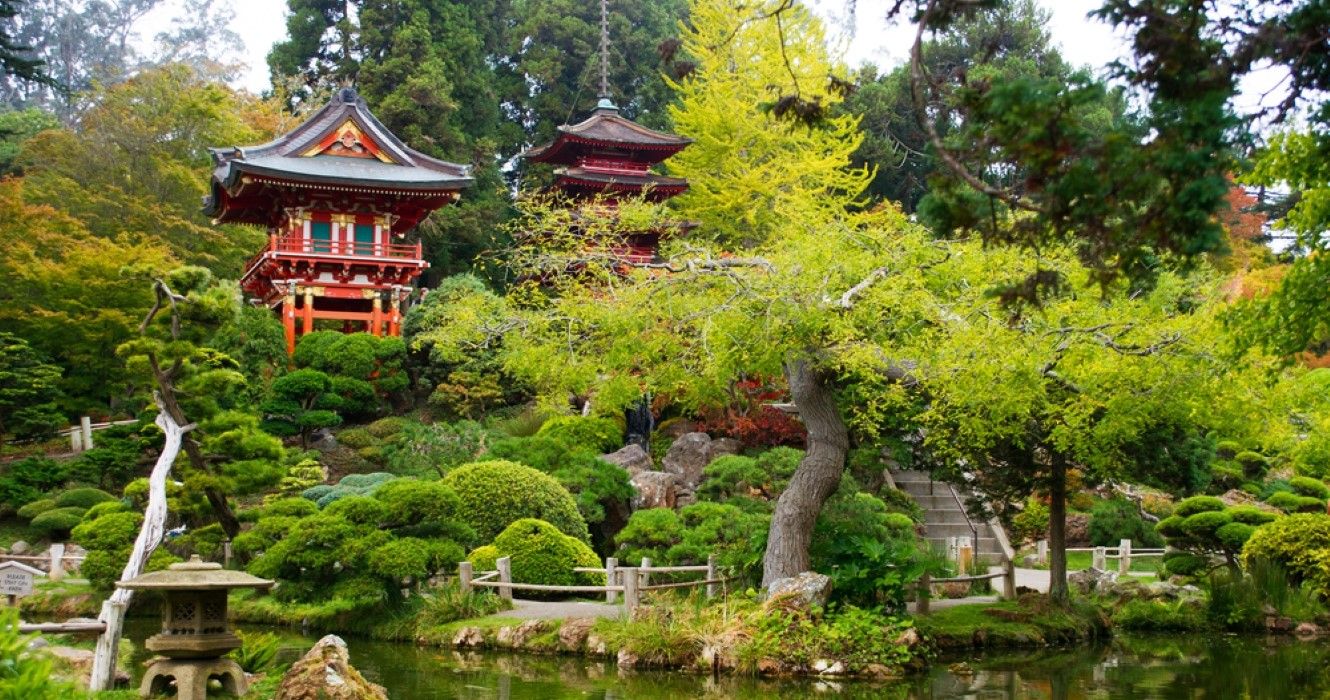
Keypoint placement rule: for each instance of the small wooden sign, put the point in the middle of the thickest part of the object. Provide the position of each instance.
(16, 579)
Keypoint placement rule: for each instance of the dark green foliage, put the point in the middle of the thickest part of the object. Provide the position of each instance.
(688, 537)
(36, 508)
(1251, 515)
(542, 554)
(1291, 503)
(1197, 504)
(366, 372)
(870, 553)
(602, 490)
(738, 478)
(1202, 524)
(82, 498)
(56, 523)
(360, 510)
(432, 449)
(1118, 519)
(495, 494)
(109, 539)
(424, 509)
(257, 652)
(1184, 564)
(29, 387)
(254, 339)
(1160, 616)
(1203, 528)
(1312, 488)
(26, 480)
(1253, 463)
(412, 559)
(599, 435)
(301, 402)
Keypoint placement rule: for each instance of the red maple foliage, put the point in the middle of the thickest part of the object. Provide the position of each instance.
(751, 419)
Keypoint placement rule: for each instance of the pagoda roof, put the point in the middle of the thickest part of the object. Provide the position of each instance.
(606, 128)
(341, 145)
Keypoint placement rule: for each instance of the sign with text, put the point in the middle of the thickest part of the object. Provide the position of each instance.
(16, 579)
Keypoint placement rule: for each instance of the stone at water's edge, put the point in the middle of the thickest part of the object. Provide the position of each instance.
(325, 673)
(632, 458)
(573, 634)
(805, 590)
(686, 459)
(654, 490)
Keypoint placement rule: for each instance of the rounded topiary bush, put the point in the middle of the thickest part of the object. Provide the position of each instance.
(1252, 463)
(57, 523)
(1251, 515)
(1205, 523)
(361, 510)
(1184, 564)
(1304, 486)
(1293, 503)
(314, 493)
(387, 427)
(496, 494)
(483, 558)
(540, 553)
(82, 498)
(356, 438)
(1234, 535)
(1300, 544)
(295, 507)
(106, 508)
(587, 432)
(36, 508)
(1197, 504)
(412, 558)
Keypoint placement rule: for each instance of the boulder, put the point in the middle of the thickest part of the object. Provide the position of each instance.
(573, 634)
(325, 673)
(627, 660)
(1078, 529)
(654, 490)
(20, 547)
(1279, 624)
(323, 440)
(827, 667)
(632, 458)
(595, 644)
(1307, 629)
(908, 639)
(1091, 579)
(686, 459)
(517, 637)
(721, 447)
(805, 590)
(469, 638)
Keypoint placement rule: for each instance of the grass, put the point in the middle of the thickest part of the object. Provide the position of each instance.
(1079, 561)
(1031, 621)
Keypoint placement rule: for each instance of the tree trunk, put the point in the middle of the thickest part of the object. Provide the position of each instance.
(1057, 533)
(221, 509)
(150, 535)
(813, 482)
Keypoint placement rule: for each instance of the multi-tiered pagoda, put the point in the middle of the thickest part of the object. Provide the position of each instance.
(338, 196)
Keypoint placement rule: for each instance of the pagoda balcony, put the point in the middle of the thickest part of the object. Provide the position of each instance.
(351, 265)
(300, 246)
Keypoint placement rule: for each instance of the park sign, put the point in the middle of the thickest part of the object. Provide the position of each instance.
(16, 579)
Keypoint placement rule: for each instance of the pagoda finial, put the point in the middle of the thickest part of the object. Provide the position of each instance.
(605, 101)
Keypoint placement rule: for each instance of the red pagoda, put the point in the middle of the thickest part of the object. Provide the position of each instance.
(610, 157)
(338, 195)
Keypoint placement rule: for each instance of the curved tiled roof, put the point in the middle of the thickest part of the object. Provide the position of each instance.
(605, 127)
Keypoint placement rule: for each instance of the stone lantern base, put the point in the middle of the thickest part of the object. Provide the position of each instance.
(191, 677)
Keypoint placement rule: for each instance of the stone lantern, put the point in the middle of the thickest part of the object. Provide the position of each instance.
(194, 634)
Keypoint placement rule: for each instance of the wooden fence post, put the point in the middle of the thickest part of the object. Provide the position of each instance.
(646, 575)
(75, 441)
(85, 424)
(505, 566)
(712, 575)
(1041, 551)
(56, 572)
(630, 591)
(921, 596)
(1100, 559)
(464, 576)
(1124, 557)
(611, 567)
(226, 553)
(1009, 580)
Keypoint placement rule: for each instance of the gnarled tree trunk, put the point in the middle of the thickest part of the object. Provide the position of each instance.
(813, 482)
(1057, 531)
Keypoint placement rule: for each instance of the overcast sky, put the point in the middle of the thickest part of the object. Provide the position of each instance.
(868, 38)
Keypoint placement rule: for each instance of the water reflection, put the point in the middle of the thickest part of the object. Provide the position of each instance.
(1168, 668)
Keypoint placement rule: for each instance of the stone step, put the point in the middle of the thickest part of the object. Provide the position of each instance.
(951, 517)
(940, 500)
(987, 545)
(956, 529)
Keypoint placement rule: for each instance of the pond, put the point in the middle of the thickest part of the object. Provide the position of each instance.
(1136, 666)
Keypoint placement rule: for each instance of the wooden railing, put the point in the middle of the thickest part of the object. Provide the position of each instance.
(1124, 553)
(924, 586)
(360, 249)
(55, 562)
(631, 581)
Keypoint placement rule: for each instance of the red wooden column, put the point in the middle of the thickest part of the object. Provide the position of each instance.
(307, 326)
(376, 316)
(289, 322)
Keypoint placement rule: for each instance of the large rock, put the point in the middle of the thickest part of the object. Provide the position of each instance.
(1091, 579)
(518, 637)
(325, 673)
(654, 490)
(721, 447)
(632, 458)
(573, 634)
(80, 662)
(323, 440)
(686, 459)
(805, 590)
(1078, 529)
(20, 547)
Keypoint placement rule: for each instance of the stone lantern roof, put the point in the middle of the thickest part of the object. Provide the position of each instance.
(194, 575)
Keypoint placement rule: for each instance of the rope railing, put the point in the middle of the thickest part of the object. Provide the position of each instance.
(630, 581)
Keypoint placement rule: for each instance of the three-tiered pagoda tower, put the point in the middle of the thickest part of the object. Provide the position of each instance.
(338, 196)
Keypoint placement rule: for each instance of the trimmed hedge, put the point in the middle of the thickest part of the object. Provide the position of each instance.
(1312, 488)
(1197, 504)
(496, 494)
(59, 522)
(542, 554)
(599, 434)
(36, 508)
(82, 498)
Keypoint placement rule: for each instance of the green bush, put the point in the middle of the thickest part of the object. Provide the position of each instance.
(387, 427)
(1252, 463)
(1197, 504)
(598, 486)
(1291, 503)
(424, 509)
(649, 533)
(36, 508)
(1205, 523)
(1307, 486)
(352, 485)
(82, 498)
(356, 438)
(1251, 515)
(413, 559)
(1031, 523)
(735, 536)
(106, 508)
(483, 558)
(586, 432)
(871, 554)
(1170, 526)
(1300, 545)
(265, 533)
(420, 449)
(23, 674)
(361, 510)
(110, 531)
(1160, 616)
(1233, 535)
(1185, 564)
(56, 523)
(495, 494)
(297, 507)
(541, 554)
(1115, 520)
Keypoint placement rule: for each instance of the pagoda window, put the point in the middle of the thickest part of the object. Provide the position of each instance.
(320, 233)
(365, 239)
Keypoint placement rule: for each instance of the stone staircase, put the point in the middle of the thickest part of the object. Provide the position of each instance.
(945, 517)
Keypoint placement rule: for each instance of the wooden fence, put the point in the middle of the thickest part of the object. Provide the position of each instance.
(54, 562)
(1124, 553)
(924, 587)
(631, 581)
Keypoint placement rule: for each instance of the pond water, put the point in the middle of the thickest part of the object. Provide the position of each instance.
(1185, 666)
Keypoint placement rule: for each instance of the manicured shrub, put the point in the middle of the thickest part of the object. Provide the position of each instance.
(110, 531)
(1252, 463)
(483, 558)
(735, 536)
(496, 494)
(1185, 564)
(27, 479)
(351, 485)
(1233, 535)
(1307, 486)
(106, 508)
(265, 533)
(36, 508)
(82, 498)
(1205, 523)
(598, 486)
(356, 438)
(1292, 503)
(420, 449)
(423, 509)
(649, 533)
(314, 493)
(297, 507)
(56, 523)
(586, 432)
(304, 474)
(1115, 520)
(540, 553)
(1251, 515)
(1300, 544)
(1226, 475)
(387, 427)
(361, 510)
(1197, 504)
(412, 559)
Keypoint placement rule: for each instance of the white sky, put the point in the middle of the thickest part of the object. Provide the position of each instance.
(1083, 41)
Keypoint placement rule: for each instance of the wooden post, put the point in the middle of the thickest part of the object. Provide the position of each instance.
(1124, 557)
(953, 550)
(75, 440)
(630, 590)
(85, 423)
(964, 555)
(307, 322)
(1041, 551)
(646, 575)
(289, 322)
(505, 566)
(13, 601)
(226, 553)
(464, 576)
(1009, 580)
(57, 570)
(1100, 559)
(924, 591)
(611, 567)
(712, 575)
